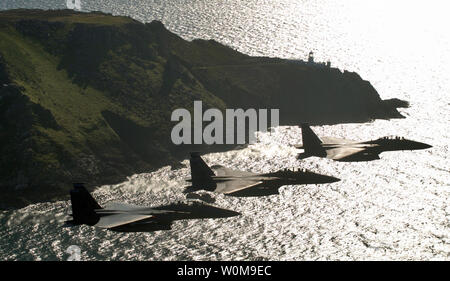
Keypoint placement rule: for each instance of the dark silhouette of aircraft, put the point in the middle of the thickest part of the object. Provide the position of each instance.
(246, 184)
(123, 217)
(351, 151)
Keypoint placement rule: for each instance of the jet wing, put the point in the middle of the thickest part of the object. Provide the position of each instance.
(330, 140)
(226, 172)
(343, 152)
(120, 219)
(123, 207)
(231, 186)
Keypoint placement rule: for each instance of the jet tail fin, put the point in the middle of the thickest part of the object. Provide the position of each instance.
(201, 173)
(303, 156)
(311, 142)
(83, 206)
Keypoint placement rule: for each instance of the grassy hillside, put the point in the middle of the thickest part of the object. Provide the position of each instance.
(88, 97)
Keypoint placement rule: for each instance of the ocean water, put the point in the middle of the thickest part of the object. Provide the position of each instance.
(396, 208)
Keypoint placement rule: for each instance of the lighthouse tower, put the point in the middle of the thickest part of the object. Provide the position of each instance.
(311, 57)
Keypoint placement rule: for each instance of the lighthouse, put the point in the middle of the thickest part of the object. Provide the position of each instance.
(311, 57)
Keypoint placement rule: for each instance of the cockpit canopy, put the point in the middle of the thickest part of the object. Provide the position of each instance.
(393, 138)
(294, 170)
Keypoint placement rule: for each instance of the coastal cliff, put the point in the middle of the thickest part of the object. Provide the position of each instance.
(88, 97)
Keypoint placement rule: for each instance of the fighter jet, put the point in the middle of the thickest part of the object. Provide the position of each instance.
(351, 151)
(123, 217)
(246, 184)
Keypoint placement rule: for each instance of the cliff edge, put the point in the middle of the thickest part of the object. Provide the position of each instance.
(88, 97)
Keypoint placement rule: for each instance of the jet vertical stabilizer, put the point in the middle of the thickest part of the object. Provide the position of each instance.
(83, 206)
(201, 174)
(311, 142)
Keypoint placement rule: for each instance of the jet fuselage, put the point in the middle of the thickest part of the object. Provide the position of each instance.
(176, 211)
(131, 218)
(266, 183)
(350, 151)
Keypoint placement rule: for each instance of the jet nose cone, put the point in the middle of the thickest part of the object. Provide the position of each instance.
(230, 213)
(328, 179)
(314, 178)
(224, 213)
(420, 145)
(425, 146)
(332, 179)
(216, 212)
